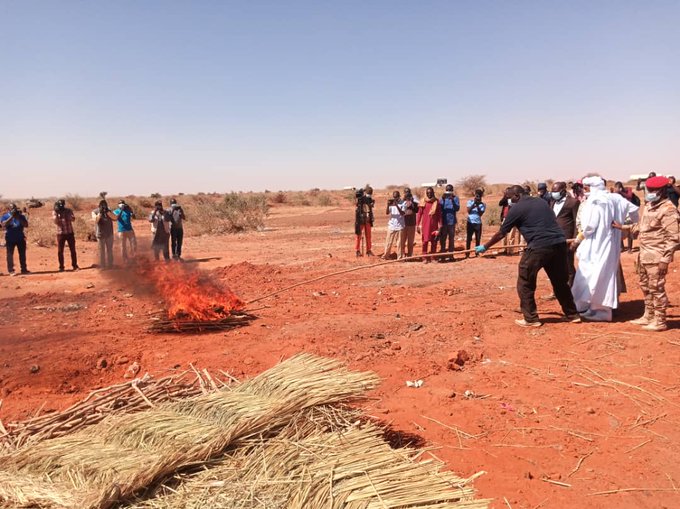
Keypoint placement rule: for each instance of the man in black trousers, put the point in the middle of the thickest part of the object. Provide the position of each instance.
(546, 249)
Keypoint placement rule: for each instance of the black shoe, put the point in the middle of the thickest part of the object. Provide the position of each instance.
(25, 271)
(76, 268)
(369, 253)
(358, 254)
(61, 269)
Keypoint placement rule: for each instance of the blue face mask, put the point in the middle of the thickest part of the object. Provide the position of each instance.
(650, 196)
(556, 196)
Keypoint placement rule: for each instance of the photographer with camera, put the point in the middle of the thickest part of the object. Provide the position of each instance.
(103, 220)
(126, 234)
(160, 221)
(450, 205)
(14, 222)
(395, 226)
(63, 217)
(410, 208)
(363, 219)
(475, 209)
(176, 229)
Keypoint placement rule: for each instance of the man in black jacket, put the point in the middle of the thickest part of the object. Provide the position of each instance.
(546, 249)
(565, 208)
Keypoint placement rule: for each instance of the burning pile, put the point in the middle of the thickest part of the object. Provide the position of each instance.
(194, 301)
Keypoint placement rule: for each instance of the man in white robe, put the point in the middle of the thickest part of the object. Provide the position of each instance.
(597, 251)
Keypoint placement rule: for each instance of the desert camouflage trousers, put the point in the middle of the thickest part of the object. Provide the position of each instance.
(653, 288)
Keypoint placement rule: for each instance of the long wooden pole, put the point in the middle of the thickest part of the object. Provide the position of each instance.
(379, 264)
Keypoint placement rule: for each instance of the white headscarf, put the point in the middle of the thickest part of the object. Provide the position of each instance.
(594, 182)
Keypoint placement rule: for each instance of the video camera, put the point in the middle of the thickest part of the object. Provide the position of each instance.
(362, 198)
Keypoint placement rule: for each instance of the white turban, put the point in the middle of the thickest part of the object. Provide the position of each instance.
(594, 182)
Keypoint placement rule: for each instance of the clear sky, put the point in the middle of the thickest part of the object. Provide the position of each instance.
(135, 97)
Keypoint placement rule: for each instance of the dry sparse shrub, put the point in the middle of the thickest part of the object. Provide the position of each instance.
(325, 200)
(234, 213)
(74, 201)
(280, 197)
(42, 231)
(472, 182)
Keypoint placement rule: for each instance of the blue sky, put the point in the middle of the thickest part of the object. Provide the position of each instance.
(135, 97)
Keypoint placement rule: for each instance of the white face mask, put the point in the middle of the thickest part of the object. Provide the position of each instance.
(556, 196)
(650, 196)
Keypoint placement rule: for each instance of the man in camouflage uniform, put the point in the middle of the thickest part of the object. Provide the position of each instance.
(659, 235)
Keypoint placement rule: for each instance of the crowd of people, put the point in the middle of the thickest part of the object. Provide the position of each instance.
(575, 232)
(434, 219)
(166, 227)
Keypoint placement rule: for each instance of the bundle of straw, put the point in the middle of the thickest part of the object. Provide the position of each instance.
(313, 464)
(124, 398)
(124, 454)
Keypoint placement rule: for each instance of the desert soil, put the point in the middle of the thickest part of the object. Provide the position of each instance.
(555, 416)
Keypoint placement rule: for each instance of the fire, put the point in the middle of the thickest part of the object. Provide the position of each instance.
(191, 295)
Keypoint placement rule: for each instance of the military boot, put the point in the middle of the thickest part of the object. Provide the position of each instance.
(645, 319)
(658, 324)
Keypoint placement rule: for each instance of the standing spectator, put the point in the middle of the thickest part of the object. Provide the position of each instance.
(640, 183)
(633, 199)
(14, 222)
(659, 235)
(673, 191)
(514, 237)
(363, 220)
(577, 191)
(395, 226)
(103, 220)
(427, 222)
(410, 208)
(565, 208)
(63, 217)
(176, 229)
(126, 234)
(449, 204)
(160, 228)
(476, 209)
(543, 191)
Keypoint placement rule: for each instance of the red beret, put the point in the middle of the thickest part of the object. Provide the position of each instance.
(657, 182)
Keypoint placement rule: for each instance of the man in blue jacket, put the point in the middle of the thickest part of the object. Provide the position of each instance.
(450, 205)
(14, 223)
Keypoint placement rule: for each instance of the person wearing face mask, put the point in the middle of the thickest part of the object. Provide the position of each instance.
(475, 208)
(565, 208)
(410, 208)
(126, 233)
(542, 189)
(658, 233)
(160, 221)
(427, 222)
(596, 286)
(546, 249)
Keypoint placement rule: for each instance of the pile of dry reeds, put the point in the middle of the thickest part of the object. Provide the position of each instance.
(116, 458)
(322, 459)
(124, 398)
(282, 439)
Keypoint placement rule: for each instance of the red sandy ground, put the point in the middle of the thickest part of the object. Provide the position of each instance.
(594, 406)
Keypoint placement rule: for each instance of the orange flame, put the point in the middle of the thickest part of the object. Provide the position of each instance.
(191, 295)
